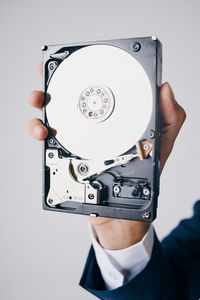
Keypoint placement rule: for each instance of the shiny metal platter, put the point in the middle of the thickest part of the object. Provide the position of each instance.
(103, 95)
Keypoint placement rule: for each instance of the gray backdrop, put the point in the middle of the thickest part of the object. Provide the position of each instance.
(42, 254)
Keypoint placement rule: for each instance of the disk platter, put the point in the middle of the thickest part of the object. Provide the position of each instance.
(112, 78)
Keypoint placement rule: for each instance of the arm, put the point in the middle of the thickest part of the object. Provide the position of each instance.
(119, 266)
(111, 233)
(119, 234)
(172, 272)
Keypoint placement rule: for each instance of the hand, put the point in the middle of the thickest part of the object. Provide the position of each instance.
(114, 233)
(117, 234)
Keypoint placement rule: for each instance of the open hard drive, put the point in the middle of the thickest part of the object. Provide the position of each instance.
(104, 159)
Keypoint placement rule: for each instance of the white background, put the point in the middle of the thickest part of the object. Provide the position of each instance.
(42, 254)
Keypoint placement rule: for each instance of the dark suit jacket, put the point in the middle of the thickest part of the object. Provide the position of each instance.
(173, 272)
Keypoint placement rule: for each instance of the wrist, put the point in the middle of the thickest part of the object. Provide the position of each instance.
(115, 234)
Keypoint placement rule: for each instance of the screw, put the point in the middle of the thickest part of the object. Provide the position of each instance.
(44, 47)
(83, 169)
(51, 155)
(146, 192)
(151, 134)
(136, 47)
(52, 66)
(146, 147)
(91, 196)
(116, 189)
(146, 215)
(50, 201)
(51, 141)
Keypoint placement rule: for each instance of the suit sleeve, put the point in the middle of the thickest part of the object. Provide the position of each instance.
(173, 272)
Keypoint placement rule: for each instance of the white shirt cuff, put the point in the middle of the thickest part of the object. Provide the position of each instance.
(119, 266)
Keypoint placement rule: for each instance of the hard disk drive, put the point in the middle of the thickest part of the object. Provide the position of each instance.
(104, 159)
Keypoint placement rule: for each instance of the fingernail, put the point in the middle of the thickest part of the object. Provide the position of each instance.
(38, 130)
(170, 92)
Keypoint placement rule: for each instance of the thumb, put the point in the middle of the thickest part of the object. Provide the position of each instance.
(172, 119)
(167, 104)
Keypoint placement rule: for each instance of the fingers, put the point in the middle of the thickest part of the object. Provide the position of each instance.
(36, 99)
(37, 129)
(54, 130)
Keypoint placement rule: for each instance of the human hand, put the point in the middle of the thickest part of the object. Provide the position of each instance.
(115, 233)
